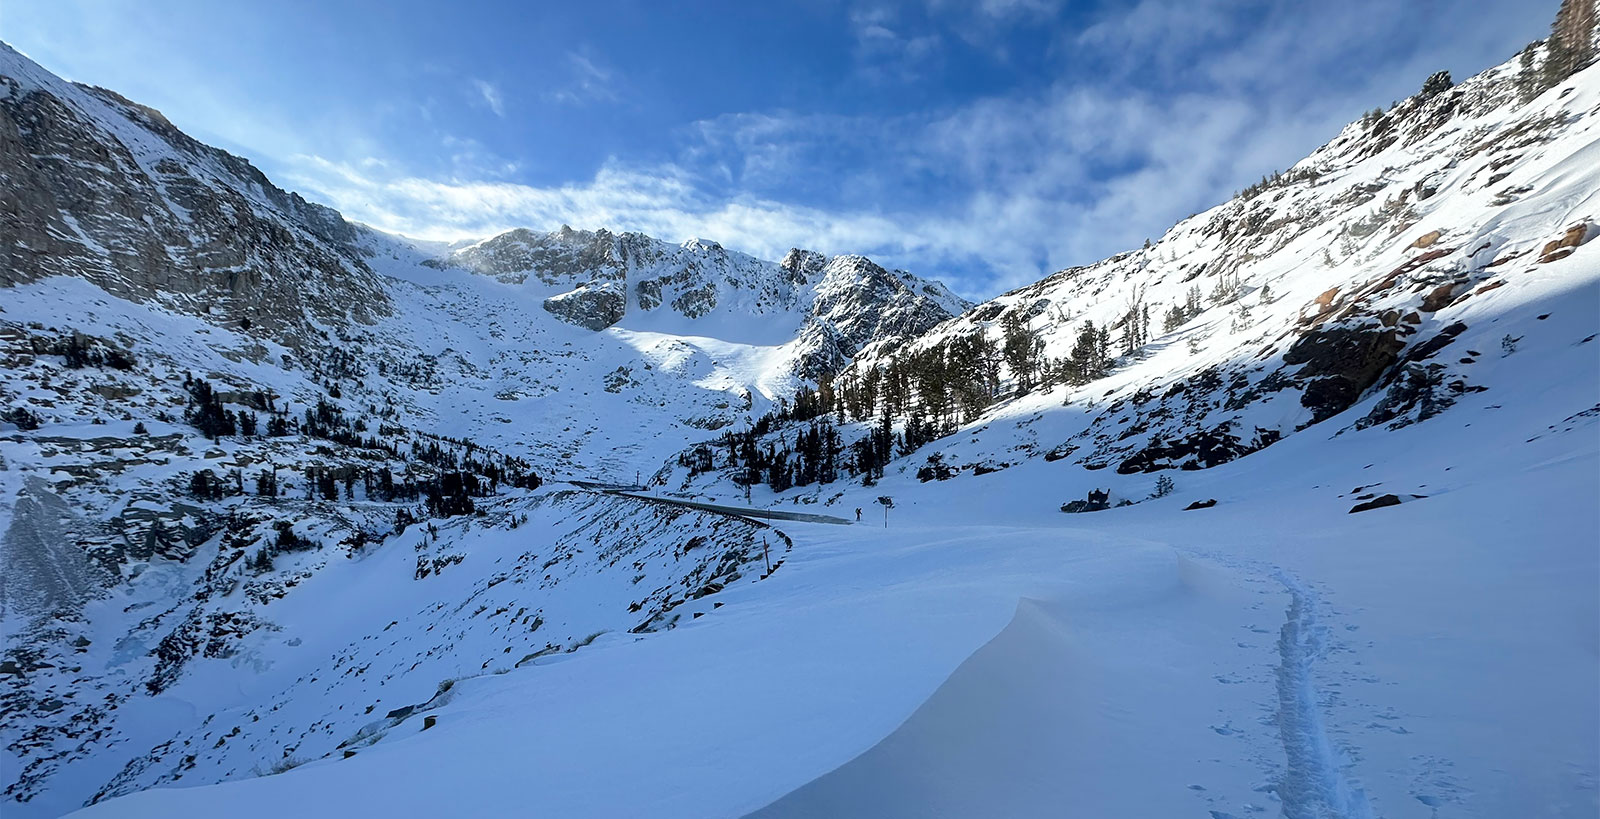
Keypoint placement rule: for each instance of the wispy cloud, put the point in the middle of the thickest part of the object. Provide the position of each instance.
(885, 47)
(491, 96)
(588, 81)
(664, 200)
(1019, 8)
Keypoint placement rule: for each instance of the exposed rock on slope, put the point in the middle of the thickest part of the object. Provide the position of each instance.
(108, 190)
(865, 305)
(835, 306)
(1340, 364)
(592, 305)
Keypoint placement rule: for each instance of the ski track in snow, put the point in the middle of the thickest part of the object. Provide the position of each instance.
(1313, 784)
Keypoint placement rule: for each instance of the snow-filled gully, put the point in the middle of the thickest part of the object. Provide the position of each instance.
(1313, 784)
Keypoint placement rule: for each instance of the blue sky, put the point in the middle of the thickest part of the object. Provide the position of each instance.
(987, 143)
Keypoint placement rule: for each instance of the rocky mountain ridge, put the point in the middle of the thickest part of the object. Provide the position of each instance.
(108, 190)
(843, 303)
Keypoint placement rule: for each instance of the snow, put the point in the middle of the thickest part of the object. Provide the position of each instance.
(1275, 651)
(986, 654)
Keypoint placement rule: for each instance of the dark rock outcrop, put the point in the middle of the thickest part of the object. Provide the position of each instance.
(1342, 362)
(594, 306)
(1431, 347)
(1099, 500)
(1376, 503)
(1201, 450)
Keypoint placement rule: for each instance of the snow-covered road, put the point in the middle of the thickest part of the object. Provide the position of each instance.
(757, 514)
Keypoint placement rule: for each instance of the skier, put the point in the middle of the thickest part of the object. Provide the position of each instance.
(858, 514)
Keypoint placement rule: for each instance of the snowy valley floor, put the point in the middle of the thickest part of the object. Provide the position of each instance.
(988, 655)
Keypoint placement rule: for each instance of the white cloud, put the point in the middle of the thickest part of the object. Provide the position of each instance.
(1159, 27)
(991, 194)
(1034, 200)
(1021, 186)
(664, 201)
(491, 96)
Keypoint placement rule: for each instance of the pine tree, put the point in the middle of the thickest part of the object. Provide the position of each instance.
(1436, 84)
(1091, 354)
(326, 486)
(1022, 350)
(1568, 49)
(1570, 46)
(206, 412)
(277, 426)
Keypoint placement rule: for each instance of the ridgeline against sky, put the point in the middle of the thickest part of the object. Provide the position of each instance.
(987, 143)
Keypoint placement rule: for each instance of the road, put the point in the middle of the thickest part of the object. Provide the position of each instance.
(754, 513)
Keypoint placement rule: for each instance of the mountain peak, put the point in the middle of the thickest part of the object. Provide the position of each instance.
(703, 245)
(600, 279)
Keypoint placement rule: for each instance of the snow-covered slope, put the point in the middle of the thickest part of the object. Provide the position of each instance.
(985, 654)
(1372, 274)
(140, 607)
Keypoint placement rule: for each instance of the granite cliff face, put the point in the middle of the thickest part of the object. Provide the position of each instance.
(109, 191)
